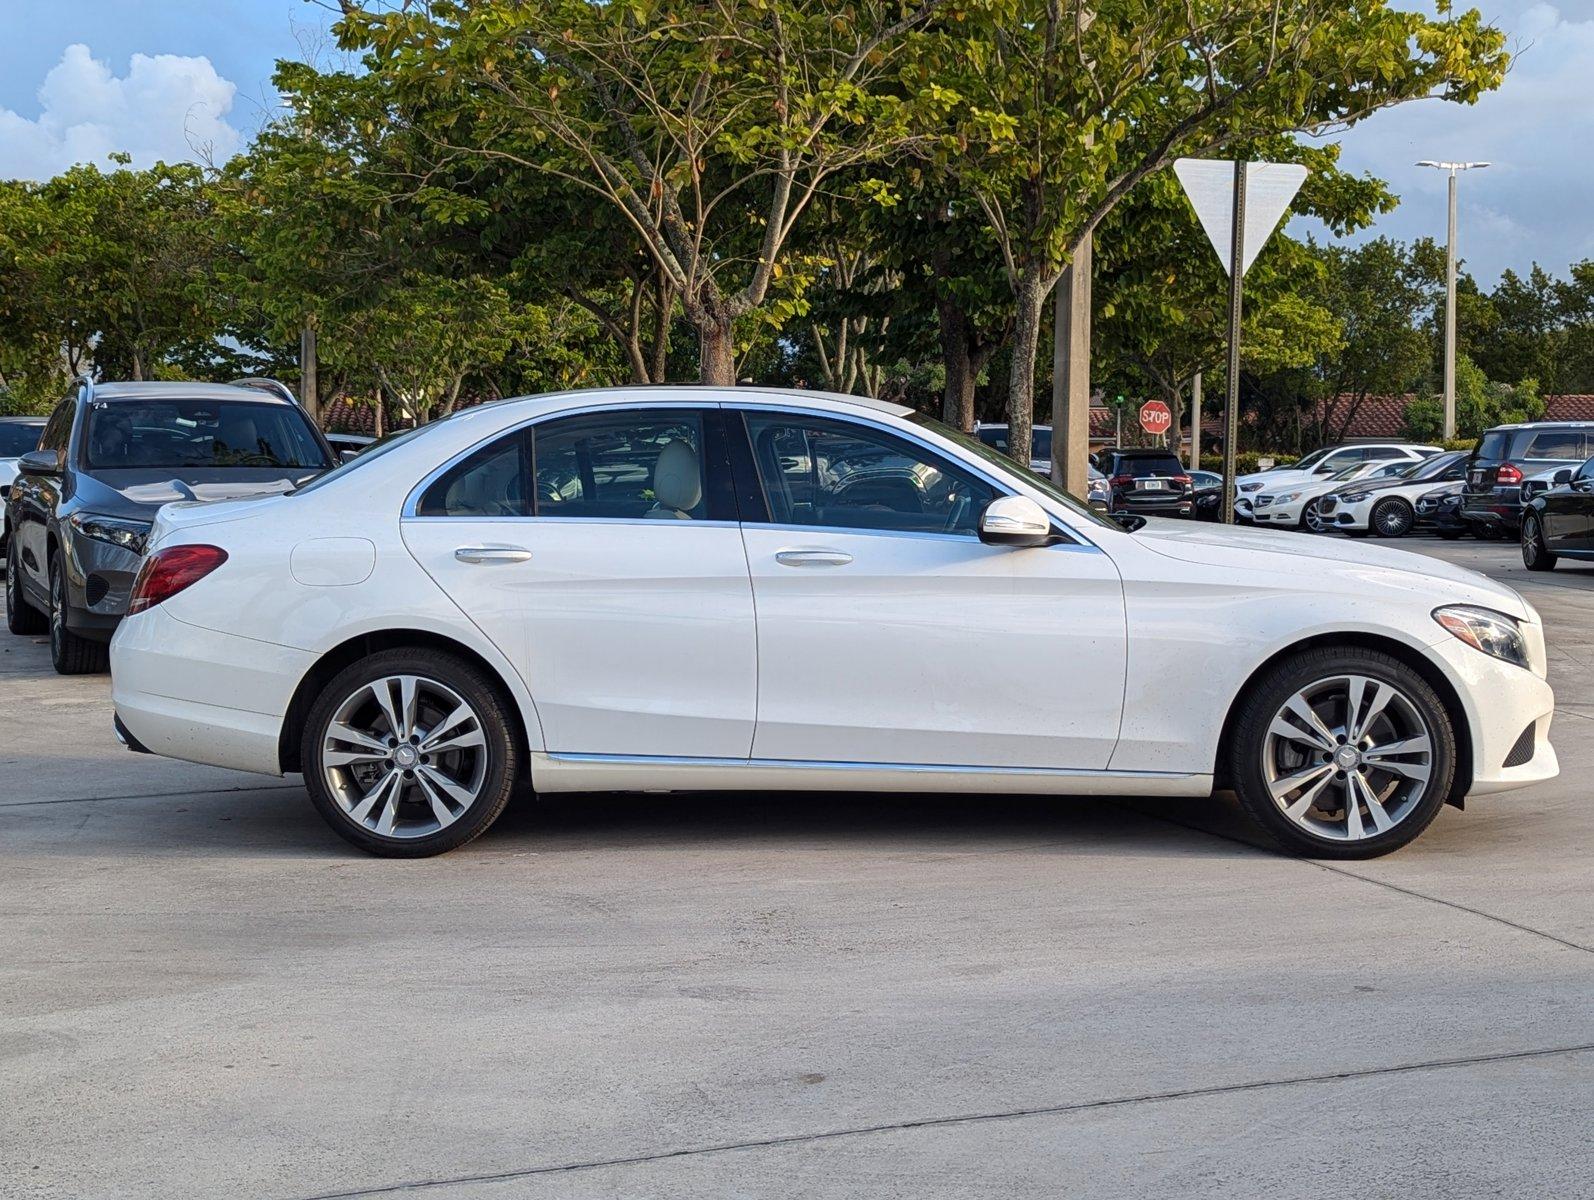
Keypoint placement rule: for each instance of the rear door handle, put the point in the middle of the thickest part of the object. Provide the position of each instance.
(492, 554)
(812, 558)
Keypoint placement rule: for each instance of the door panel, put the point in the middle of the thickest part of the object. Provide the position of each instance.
(928, 649)
(633, 637)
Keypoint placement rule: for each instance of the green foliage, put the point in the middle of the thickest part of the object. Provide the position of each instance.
(1480, 404)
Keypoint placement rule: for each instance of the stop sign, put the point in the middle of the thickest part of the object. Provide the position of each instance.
(1155, 417)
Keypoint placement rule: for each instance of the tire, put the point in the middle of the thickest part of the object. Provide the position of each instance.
(1311, 518)
(1536, 555)
(21, 617)
(70, 654)
(1449, 535)
(1398, 806)
(1485, 533)
(1391, 518)
(406, 796)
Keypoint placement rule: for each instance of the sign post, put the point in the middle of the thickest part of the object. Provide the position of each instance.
(1239, 205)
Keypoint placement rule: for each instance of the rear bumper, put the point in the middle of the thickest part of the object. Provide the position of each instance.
(1500, 508)
(200, 695)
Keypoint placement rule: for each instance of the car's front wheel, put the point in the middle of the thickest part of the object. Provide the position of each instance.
(410, 752)
(21, 617)
(1536, 554)
(1392, 518)
(70, 654)
(1342, 753)
(1312, 517)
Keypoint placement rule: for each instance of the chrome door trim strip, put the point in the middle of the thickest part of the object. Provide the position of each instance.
(668, 760)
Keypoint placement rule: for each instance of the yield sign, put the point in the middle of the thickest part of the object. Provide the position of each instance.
(1269, 188)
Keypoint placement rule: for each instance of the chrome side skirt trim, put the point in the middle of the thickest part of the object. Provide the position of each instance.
(574, 772)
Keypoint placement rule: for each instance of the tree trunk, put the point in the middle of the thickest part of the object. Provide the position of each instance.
(716, 357)
(957, 402)
(1028, 312)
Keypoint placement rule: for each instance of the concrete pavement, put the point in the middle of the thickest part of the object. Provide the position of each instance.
(203, 992)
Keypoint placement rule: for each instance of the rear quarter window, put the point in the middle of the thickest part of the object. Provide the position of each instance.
(1495, 444)
(1554, 443)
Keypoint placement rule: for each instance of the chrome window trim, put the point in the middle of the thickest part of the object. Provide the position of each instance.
(1076, 538)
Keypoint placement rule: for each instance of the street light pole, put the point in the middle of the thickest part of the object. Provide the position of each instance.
(1450, 290)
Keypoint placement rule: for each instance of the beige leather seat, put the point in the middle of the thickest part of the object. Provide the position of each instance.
(677, 482)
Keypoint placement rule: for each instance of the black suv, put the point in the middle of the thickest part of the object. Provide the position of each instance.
(1147, 482)
(1491, 501)
(111, 455)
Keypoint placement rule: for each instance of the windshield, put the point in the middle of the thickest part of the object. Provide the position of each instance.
(1350, 472)
(1307, 463)
(1006, 469)
(174, 434)
(1040, 444)
(1427, 468)
(17, 439)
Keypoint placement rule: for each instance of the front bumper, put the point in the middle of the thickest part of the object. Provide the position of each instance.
(202, 695)
(1278, 514)
(1501, 702)
(99, 581)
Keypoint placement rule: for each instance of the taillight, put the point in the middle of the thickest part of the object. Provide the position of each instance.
(1121, 480)
(1508, 474)
(1182, 480)
(167, 572)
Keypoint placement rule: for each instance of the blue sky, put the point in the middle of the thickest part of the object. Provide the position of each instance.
(170, 78)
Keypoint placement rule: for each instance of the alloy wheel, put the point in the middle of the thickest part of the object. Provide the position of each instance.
(57, 612)
(1392, 518)
(404, 756)
(1312, 517)
(1347, 758)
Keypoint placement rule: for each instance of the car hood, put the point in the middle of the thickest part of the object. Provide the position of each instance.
(140, 493)
(1275, 550)
(8, 471)
(1271, 479)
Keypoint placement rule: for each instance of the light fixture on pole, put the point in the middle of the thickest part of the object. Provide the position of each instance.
(1450, 289)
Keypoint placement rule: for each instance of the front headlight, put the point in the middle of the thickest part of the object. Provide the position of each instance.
(1496, 634)
(1251, 487)
(118, 531)
(1354, 497)
(1287, 498)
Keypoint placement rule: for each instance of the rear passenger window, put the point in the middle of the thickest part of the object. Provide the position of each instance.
(492, 482)
(638, 463)
(1556, 443)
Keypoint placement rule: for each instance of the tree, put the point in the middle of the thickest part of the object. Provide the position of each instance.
(1070, 104)
(1480, 404)
(710, 129)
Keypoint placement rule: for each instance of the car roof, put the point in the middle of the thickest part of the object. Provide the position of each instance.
(22, 420)
(160, 390)
(1542, 425)
(1139, 451)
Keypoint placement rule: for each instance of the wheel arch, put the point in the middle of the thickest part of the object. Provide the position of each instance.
(1403, 652)
(351, 650)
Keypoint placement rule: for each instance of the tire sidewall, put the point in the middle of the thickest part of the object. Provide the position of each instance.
(493, 710)
(1384, 506)
(1269, 695)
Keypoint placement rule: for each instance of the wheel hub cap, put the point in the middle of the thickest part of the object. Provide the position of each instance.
(405, 757)
(1347, 758)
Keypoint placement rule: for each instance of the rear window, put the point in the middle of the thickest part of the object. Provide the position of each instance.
(1139, 466)
(995, 436)
(17, 439)
(1495, 444)
(174, 434)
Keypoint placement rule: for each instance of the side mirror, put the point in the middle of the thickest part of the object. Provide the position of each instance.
(348, 455)
(1015, 521)
(1130, 521)
(39, 462)
(1563, 476)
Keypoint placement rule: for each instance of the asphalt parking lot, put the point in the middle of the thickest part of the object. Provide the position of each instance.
(204, 993)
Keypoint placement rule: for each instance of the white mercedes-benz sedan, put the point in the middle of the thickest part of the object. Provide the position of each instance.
(690, 588)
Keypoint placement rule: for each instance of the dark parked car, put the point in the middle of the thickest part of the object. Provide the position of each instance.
(111, 455)
(1508, 454)
(1440, 510)
(1149, 483)
(18, 435)
(1559, 523)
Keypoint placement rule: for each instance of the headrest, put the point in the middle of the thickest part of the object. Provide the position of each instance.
(678, 477)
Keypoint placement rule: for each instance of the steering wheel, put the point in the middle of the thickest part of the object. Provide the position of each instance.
(960, 508)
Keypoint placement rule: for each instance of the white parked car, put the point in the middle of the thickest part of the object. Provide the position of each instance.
(1386, 507)
(18, 435)
(1292, 505)
(690, 588)
(1331, 460)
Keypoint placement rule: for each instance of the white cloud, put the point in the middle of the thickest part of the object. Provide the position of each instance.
(167, 108)
(1532, 204)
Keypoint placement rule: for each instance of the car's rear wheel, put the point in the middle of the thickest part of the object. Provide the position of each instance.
(70, 653)
(21, 617)
(1342, 753)
(1392, 518)
(1536, 554)
(410, 752)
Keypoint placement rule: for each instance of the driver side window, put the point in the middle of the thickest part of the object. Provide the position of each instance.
(1586, 471)
(838, 475)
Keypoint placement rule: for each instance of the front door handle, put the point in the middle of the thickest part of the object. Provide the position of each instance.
(812, 558)
(492, 554)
